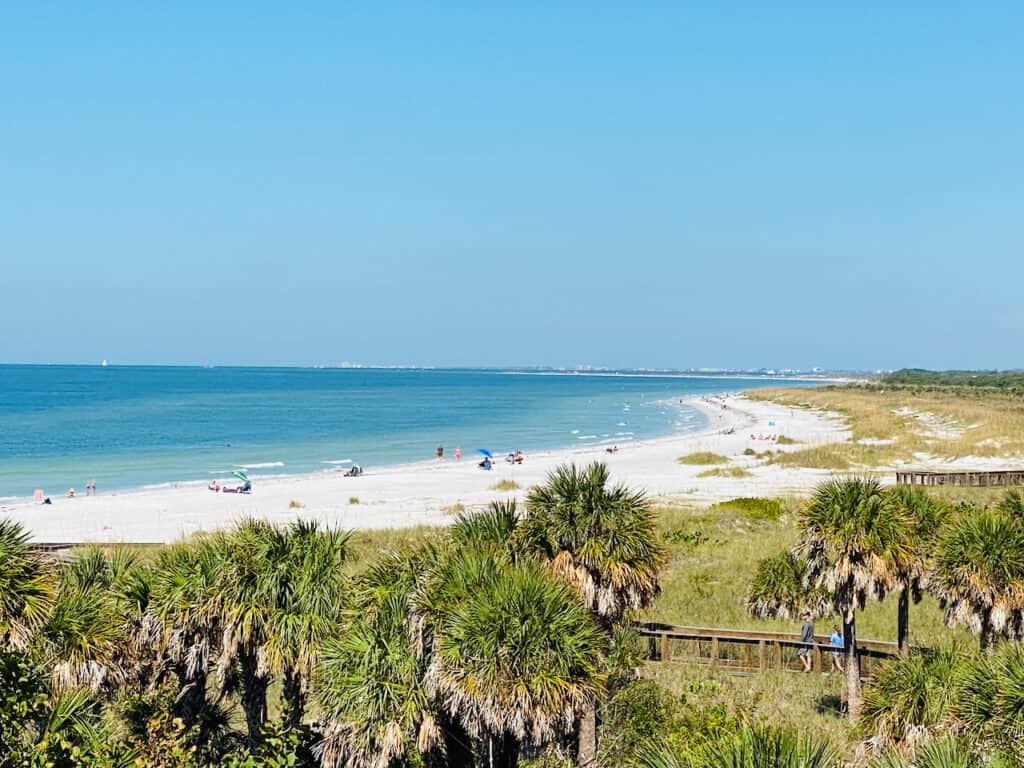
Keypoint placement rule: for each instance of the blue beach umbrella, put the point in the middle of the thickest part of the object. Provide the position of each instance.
(485, 452)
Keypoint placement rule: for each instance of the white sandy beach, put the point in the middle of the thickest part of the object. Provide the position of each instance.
(424, 493)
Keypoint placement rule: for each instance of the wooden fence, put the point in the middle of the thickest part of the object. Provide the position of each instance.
(748, 651)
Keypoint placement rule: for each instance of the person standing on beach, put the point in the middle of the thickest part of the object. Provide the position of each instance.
(806, 640)
(458, 454)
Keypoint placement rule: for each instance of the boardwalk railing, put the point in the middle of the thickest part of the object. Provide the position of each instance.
(747, 651)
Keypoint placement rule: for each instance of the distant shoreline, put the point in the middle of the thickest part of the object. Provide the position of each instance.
(432, 492)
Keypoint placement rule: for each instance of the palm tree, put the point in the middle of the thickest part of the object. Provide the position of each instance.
(26, 587)
(912, 697)
(369, 682)
(852, 537)
(490, 529)
(990, 705)
(514, 657)
(927, 515)
(779, 590)
(601, 541)
(946, 752)
(182, 586)
(307, 586)
(766, 747)
(978, 574)
(81, 637)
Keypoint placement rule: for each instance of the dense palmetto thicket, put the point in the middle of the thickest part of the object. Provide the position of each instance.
(504, 638)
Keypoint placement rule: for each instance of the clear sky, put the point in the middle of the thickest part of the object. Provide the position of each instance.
(627, 184)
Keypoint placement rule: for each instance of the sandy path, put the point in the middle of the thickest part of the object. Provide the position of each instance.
(423, 493)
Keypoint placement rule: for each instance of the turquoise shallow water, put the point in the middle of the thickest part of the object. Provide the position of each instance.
(135, 426)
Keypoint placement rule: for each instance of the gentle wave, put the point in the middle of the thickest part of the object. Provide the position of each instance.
(337, 461)
(264, 465)
(586, 437)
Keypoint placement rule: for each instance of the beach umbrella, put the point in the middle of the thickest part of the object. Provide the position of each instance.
(485, 452)
(242, 475)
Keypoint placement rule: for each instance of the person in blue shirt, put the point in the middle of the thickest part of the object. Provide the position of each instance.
(836, 640)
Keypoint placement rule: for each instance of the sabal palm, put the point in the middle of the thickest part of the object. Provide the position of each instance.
(306, 585)
(26, 587)
(600, 539)
(853, 537)
(491, 529)
(515, 657)
(990, 705)
(182, 587)
(767, 747)
(369, 682)
(780, 589)
(927, 515)
(945, 752)
(978, 574)
(911, 698)
(81, 637)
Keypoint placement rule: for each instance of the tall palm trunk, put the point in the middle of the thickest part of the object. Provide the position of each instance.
(987, 636)
(903, 622)
(588, 737)
(852, 666)
(254, 698)
(294, 697)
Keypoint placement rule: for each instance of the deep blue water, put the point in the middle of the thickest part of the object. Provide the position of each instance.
(134, 426)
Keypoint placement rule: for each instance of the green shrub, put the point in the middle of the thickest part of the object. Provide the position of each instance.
(505, 485)
(753, 508)
(353, 499)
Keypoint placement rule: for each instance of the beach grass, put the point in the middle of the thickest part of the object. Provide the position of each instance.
(735, 472)
(454, 509)
(702, 458)
(505, 485)
(293, 504)
(783, 440)
(352, 500)
(890, 425)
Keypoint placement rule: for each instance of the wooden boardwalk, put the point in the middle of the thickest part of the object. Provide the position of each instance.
(1000, 478)
(749, 651)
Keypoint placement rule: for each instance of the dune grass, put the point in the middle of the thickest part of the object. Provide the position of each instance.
(753, 508)
(895, 424)
(454, 509)
(736, 472)
(505, 485)
(783, 440)
(703, 458)
(353, 500)
(293, 504)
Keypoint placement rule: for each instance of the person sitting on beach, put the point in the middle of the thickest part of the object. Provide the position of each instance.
(71, 493)
(519, 457)
(485, 464)
(214, 486)
(510, 458)
(354, 471)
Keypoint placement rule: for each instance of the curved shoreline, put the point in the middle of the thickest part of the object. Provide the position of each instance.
(430, 492)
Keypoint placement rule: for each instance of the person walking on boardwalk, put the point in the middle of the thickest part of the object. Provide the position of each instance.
(836, 641)
(806, 640)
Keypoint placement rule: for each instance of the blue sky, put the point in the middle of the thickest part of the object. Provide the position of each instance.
(544, 183)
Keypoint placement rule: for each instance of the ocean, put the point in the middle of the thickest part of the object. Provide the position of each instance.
(129, 427)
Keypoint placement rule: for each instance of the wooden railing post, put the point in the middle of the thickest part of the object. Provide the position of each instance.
(664, 648)
(778, 655)
(761, 660)
(714, 653)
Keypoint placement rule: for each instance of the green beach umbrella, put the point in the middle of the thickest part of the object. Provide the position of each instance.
(242, 475)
